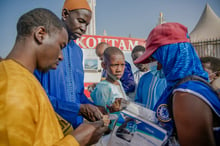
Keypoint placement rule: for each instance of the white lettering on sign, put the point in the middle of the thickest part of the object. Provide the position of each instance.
(125, 44)
(113, 42)
(131, 45)
(122, 45)
(80, 42)
(92, 43)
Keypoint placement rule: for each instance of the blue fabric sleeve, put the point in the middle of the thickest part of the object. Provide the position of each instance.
(68, 110)
(103, 95)
(55, 101)
(65, 85)
(127, 79)
(104, 74)
(100, 96)
(84, 100)
(139, 89)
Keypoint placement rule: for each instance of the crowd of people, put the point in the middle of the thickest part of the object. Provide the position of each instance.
(42, 83)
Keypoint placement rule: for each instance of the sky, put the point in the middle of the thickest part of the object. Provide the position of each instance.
(135, 18)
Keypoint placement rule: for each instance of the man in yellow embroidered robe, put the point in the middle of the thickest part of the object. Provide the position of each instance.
(26, 114)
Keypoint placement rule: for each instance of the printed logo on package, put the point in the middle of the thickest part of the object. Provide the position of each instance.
(163, 113)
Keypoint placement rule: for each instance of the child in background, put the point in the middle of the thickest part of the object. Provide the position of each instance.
(109, 92)
(141, 68)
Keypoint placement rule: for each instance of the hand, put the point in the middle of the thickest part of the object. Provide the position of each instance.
(89, 133)
(115, 107)
(90, 112)
(91, 87)
(119, 104)
(102, 109)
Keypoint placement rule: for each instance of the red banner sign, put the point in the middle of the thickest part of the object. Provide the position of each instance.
(123, 43)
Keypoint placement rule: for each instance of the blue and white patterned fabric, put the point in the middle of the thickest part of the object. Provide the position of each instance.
(150, 88)
(180, 60)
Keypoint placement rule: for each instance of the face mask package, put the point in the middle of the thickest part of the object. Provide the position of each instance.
(136, 125)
